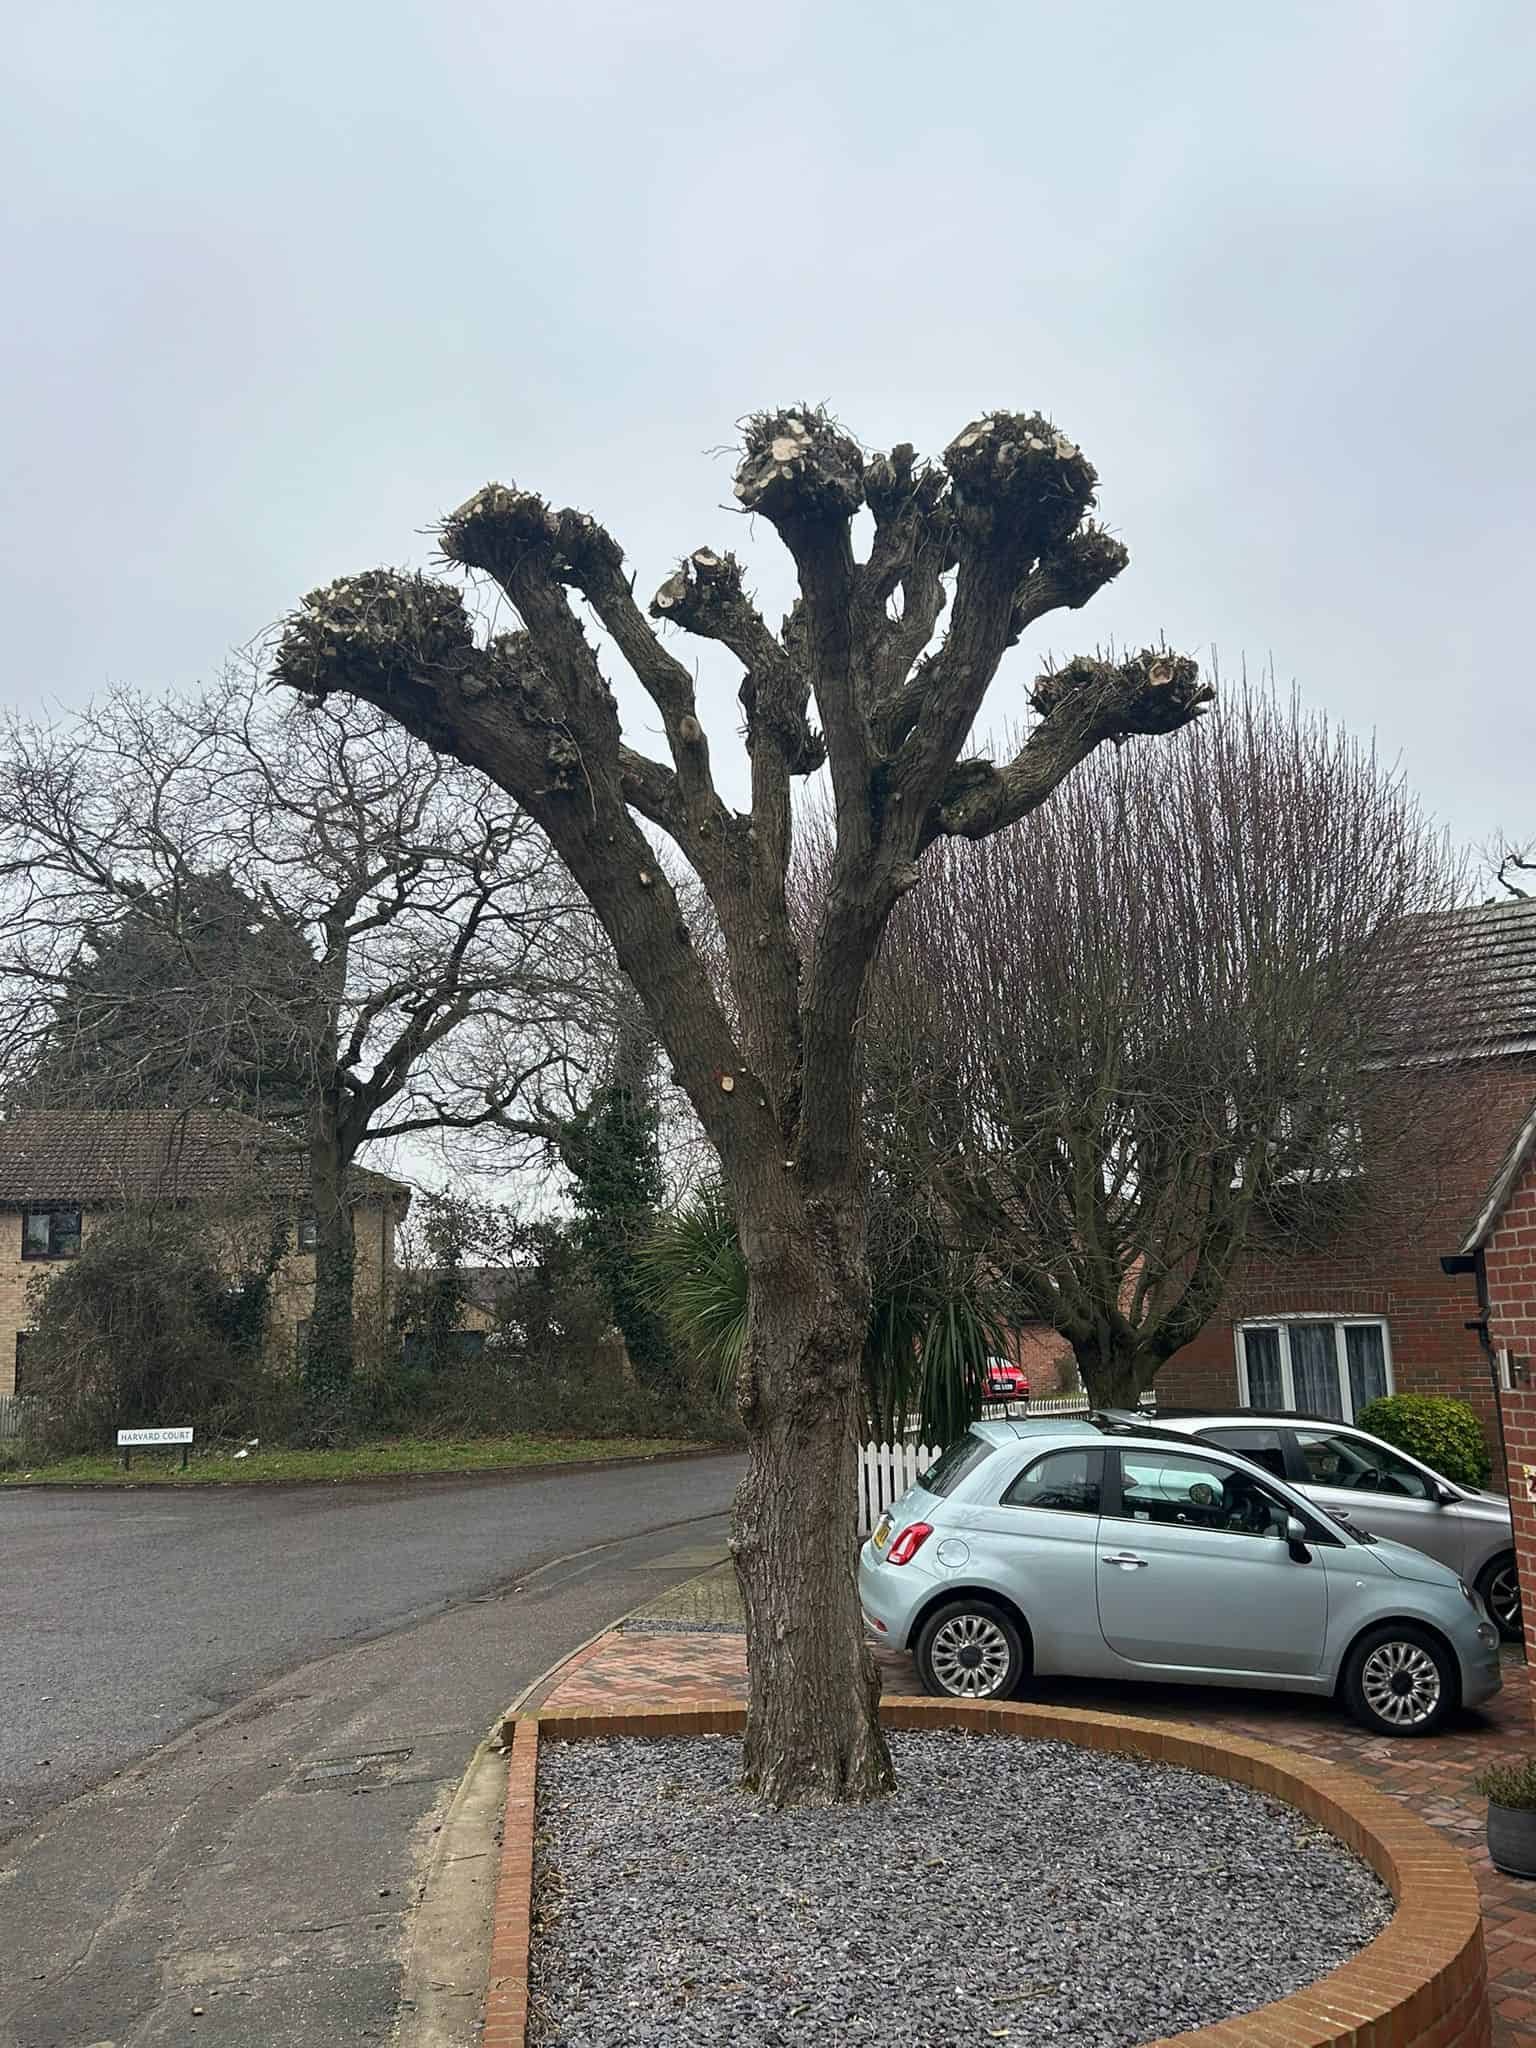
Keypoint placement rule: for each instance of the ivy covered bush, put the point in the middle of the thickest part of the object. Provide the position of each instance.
(1445, 1434)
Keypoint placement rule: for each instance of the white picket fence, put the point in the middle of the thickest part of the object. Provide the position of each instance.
(887, 1470)
(885, 1473)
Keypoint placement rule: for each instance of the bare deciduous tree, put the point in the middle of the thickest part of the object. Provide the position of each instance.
(1511, 864)
(436, 971)
(775, 1077)
(1164, 1015)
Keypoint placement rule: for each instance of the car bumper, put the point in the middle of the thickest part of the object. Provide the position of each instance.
(891, 1596)
(1482, 1674)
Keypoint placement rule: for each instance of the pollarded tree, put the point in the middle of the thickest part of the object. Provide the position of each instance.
(774, 1074)
(1162, 1023)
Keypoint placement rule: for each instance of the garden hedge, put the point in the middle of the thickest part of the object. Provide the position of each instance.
(1445, 1434)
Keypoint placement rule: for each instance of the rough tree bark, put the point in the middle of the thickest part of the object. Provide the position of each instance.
(329, 1345)
(775, 1075)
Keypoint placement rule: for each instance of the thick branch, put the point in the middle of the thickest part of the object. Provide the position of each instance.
(805, 476)
(913, 547)
(706, 597)
(1019, 492)
(1083, 704)
(528, 713)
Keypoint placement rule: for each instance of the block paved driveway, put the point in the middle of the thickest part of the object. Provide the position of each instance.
(1434, 1778)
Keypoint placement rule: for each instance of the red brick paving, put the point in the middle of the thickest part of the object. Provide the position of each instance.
(1433, 1778)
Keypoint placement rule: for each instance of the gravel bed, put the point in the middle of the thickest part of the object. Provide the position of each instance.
(665, 1625)
(1023, 1891)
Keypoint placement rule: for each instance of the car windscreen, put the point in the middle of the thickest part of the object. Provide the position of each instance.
(947, 1470)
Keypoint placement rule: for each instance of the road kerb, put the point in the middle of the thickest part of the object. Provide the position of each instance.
(545, 1681)
(447, 1960)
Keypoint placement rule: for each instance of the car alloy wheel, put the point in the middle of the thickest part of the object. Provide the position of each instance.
(1400, 1683)
(970, 1656)
(1501, 1596)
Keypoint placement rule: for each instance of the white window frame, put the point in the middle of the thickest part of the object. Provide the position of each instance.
(1282, 1324)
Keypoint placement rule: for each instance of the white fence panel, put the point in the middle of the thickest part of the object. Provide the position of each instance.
(887, 1470)
(885, 1473)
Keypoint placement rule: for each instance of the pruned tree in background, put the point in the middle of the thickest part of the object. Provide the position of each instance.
(416, 960)
(775, 1076)
(1511, 865)
(1172, 1012)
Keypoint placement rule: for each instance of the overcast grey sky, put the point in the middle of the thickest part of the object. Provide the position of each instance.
(287, 282)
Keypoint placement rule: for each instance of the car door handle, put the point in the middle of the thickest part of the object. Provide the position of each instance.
(1127, 1560)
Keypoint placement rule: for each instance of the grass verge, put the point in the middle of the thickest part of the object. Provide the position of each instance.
(396, 1456)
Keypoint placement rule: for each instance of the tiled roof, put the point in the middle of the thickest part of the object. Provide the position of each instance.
(104, 1155)
(1482, 975)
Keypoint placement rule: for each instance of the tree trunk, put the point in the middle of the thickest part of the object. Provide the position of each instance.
(1113, 1375)
(328, 1352)
(813, 1729)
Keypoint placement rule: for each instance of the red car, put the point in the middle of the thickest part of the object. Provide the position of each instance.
(1005, 1381)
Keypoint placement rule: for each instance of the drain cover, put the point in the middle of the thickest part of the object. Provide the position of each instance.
(371, 1763)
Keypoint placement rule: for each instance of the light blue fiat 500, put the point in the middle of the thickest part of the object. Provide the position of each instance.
(1041, 1547)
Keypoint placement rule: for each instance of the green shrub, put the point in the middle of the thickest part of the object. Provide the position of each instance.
(1445, 1434)
(1510, 1785)
(161, 1318)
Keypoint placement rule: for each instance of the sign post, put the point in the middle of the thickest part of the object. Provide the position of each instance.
(129, 1440)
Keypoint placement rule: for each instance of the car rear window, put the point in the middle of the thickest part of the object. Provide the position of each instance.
(1262, 1445)
(947, 1471)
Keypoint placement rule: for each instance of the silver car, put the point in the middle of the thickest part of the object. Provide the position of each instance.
(1056, 1547)
(1373, 1486)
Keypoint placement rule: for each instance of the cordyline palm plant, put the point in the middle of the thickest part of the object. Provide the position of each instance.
(935, 1317)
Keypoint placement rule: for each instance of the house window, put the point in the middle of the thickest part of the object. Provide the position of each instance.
(50, 1233)
(309, 1232)
(1316, 1366)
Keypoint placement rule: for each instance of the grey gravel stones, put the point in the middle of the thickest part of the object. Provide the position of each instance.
(1016, 1891)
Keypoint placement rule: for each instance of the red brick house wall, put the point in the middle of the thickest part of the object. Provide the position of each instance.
(1509, 1258)
(1386, 1262)
(1519, 1406)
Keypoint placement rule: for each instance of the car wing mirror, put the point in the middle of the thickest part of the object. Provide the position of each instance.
(1296, 1537)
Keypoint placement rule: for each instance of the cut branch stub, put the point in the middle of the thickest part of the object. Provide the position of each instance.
(1068, 575)
(700, 592)
(1016, 473)
(897, 482)
(799, 464)
(372, 634)
(498, 524)
(1081, 566)
(1154, 692)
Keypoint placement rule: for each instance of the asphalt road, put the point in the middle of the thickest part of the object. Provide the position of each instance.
(204, 1660)
(124, 1617)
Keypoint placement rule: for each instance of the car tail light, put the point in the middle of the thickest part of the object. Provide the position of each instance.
(909, 1543)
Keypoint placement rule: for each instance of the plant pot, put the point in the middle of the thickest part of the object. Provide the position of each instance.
(1512, 1839)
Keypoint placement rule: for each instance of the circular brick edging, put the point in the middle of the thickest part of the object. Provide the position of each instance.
(1422, 1983)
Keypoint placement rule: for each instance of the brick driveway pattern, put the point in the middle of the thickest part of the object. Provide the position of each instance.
(634, 1668)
